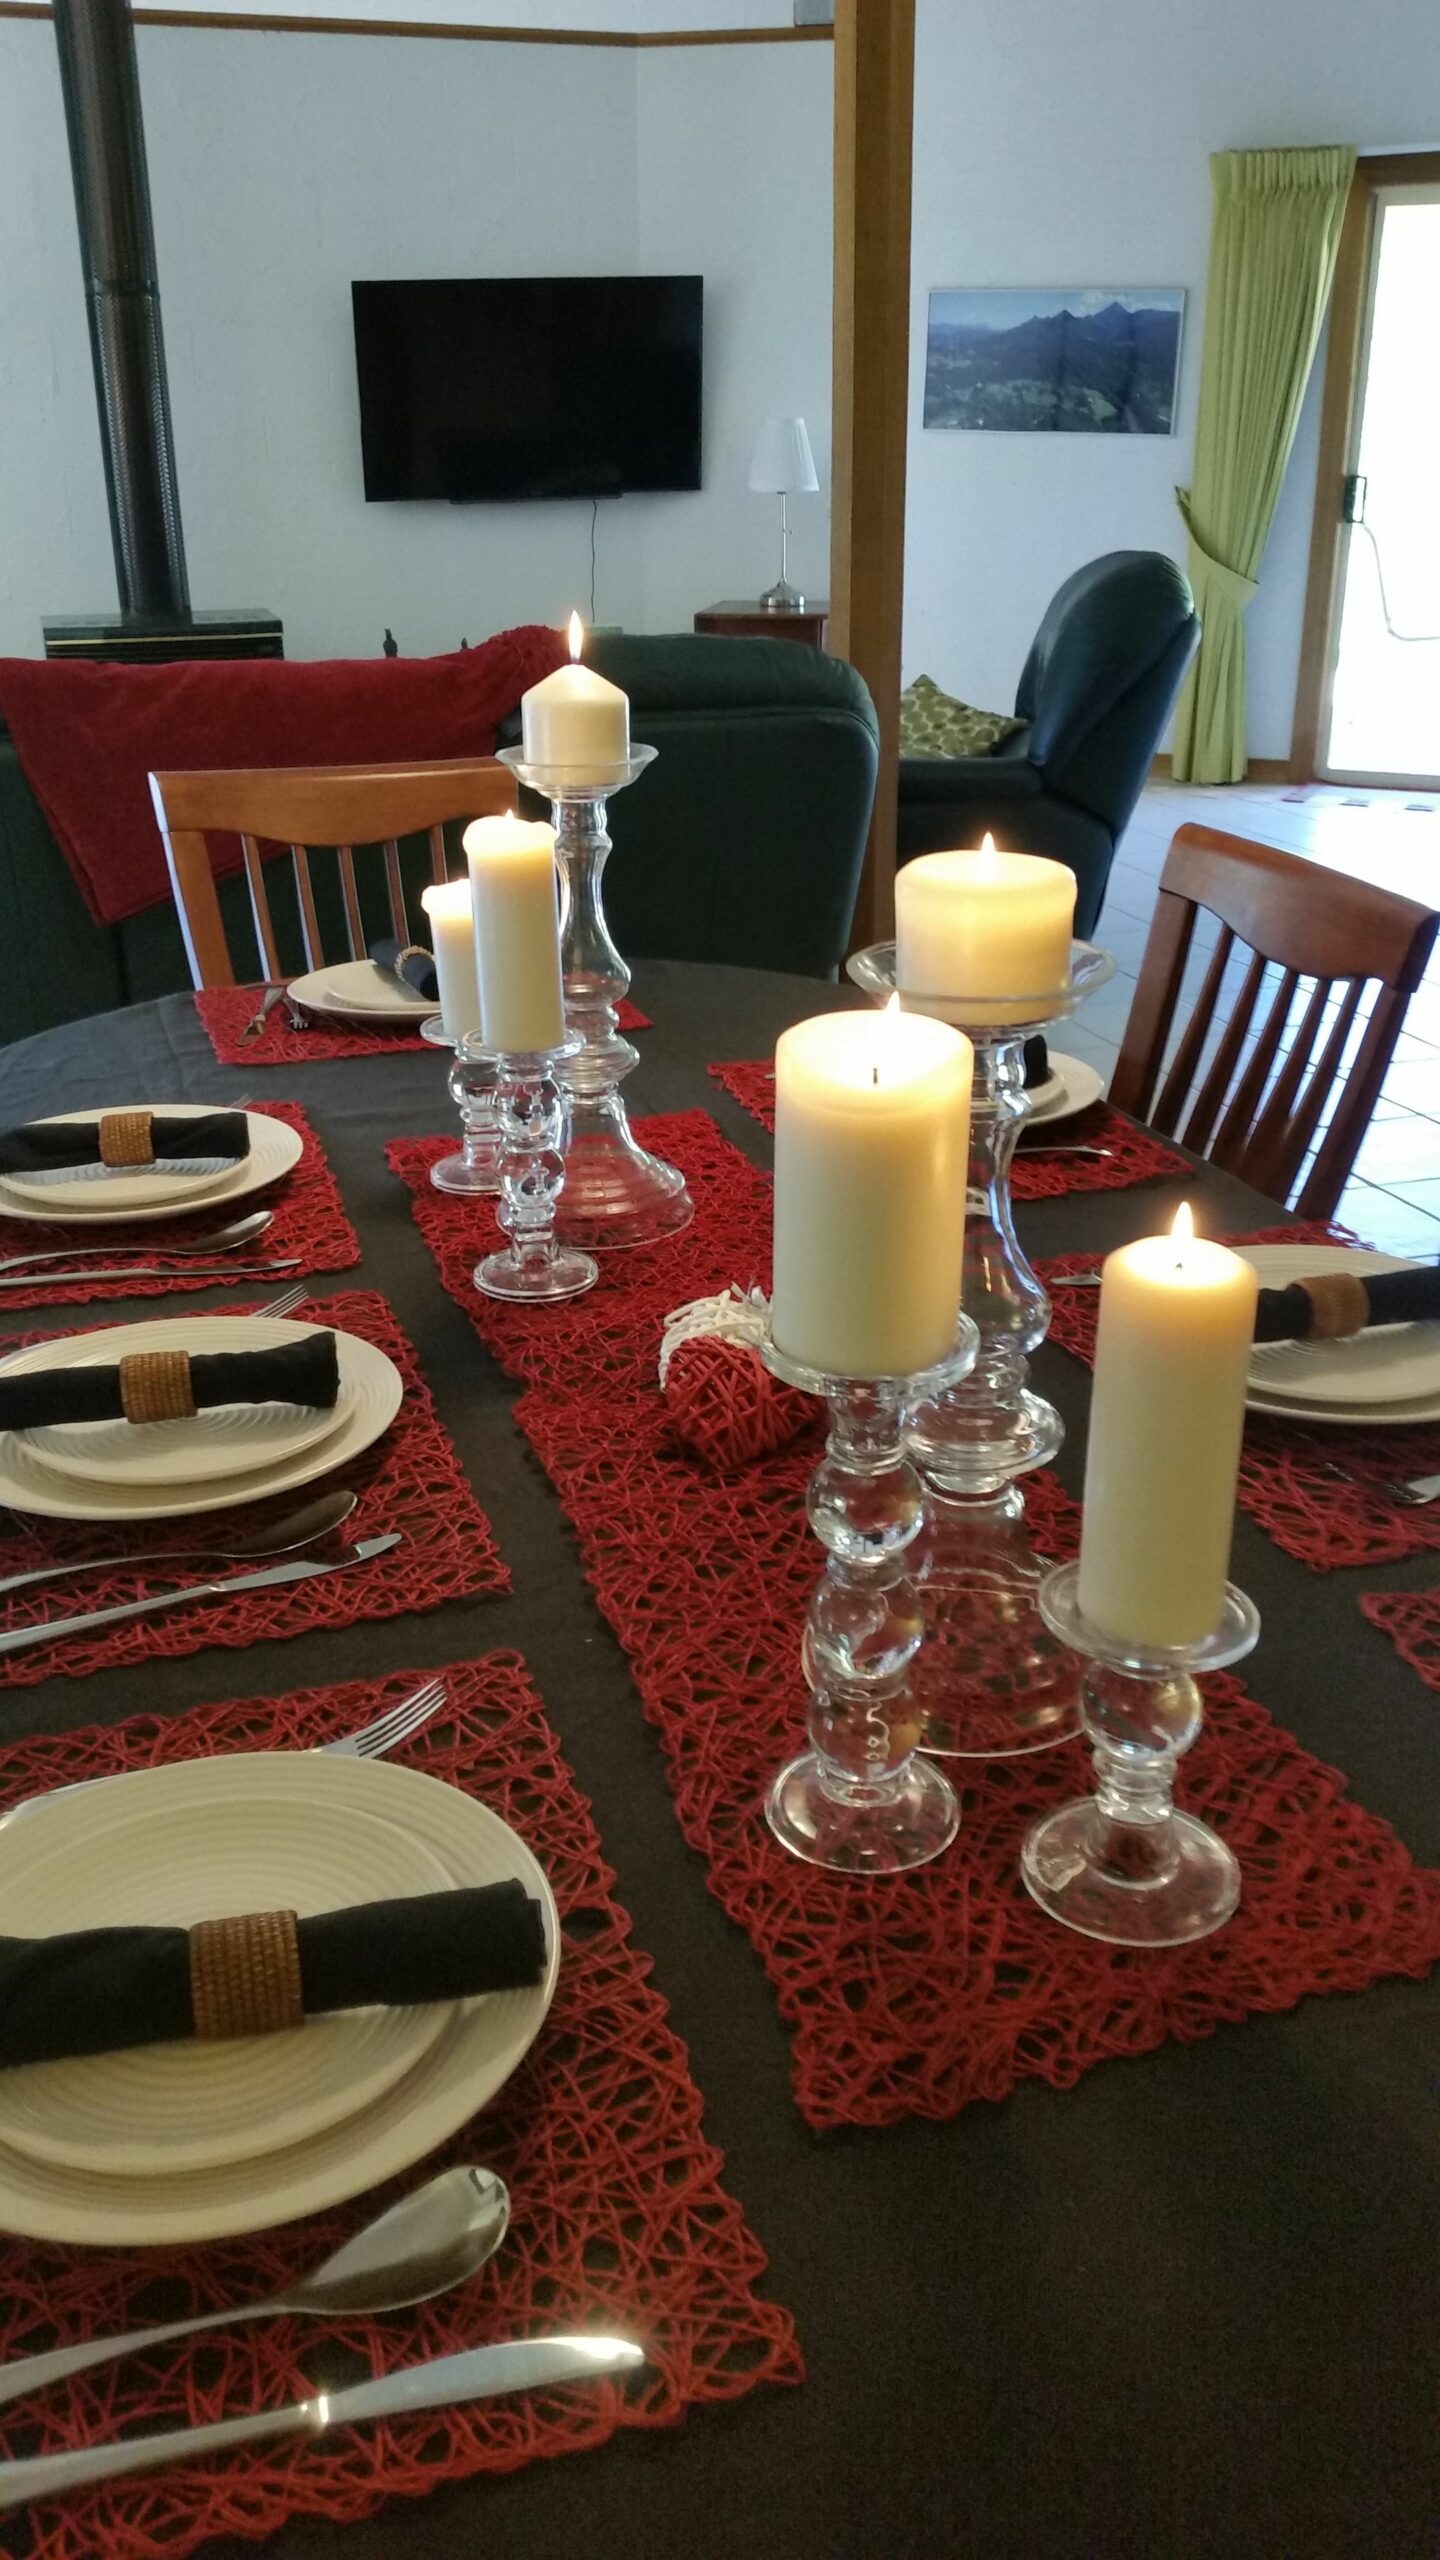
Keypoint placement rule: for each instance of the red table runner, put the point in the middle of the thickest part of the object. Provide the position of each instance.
(915, 1995)
(1411, 1619)
(411, 1480)
(226, 1010)
(619, 2217)
(309, 1222)
(1137, 1155)
(1317, 1490)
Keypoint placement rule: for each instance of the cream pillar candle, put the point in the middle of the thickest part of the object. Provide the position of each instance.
(452, 939)
(516, 890)
(981, 926)
(1177, 1321)
(872, 1132)
(576, 721)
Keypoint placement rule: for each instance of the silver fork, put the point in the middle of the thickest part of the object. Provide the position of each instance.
(287, 1302)
(372, 1741)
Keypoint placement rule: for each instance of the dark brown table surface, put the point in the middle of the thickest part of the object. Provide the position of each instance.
(1184, 2311)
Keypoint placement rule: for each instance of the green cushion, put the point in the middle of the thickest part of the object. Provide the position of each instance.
(933, 723)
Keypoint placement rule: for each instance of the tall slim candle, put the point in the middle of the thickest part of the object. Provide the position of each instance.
(872, 1129)
(452, 937)
(516, 890)
(978, 927)
(575, 722)
(1177, 1320)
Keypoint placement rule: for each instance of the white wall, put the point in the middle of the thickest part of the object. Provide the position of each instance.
(735, 161)
(283, 165)
(1063, 146)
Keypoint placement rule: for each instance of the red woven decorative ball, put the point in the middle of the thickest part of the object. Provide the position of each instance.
(726, 1406)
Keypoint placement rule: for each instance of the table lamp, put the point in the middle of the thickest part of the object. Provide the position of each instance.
(783, 461)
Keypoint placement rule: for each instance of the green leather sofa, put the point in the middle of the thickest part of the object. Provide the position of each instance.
(743, 842)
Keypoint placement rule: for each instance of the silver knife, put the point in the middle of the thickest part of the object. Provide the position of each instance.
(300, 1571)
(530, 2364)
(187, 1271)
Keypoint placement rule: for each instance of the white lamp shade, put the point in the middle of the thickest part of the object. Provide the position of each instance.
(782, 457)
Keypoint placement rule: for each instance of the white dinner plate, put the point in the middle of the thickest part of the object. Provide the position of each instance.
(1072, 1085)
(275, 1149)
(219, 1441)
(122, 1860)
(1375, 1373)
(478, 2046)
(360, 990)
(370, 1389)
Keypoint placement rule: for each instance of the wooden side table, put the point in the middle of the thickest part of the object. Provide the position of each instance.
(741, 618)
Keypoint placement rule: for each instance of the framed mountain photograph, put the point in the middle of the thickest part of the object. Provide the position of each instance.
(1019, 362)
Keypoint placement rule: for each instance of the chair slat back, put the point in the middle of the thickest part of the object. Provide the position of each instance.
(310, 808)
(1251, 1090)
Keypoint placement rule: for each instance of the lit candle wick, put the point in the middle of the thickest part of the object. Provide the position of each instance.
(874, 1075)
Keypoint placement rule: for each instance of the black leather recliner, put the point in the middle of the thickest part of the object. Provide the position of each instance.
(1096, 692)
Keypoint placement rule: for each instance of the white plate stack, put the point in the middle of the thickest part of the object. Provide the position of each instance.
(1388, 1374)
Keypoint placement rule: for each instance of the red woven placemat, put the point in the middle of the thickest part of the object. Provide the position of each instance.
(1137, 1155)
(309, 1222)
(410, 1480)
(907, 1996)
(1411, 1619)
(1318, 1491)
(226, 1010)
(619, 2218)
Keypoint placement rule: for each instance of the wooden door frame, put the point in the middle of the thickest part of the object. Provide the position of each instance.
(874, 114)
(1373, 175)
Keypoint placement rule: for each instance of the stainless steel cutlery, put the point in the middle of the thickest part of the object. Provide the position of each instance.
(300, 1528)
(215, 1240)
(305, 1569)
(528, 2364)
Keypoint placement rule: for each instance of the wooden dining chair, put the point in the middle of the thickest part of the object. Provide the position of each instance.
(318, 811)
(1255, 1102)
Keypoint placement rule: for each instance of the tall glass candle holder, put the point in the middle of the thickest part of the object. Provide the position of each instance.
(475, 1170)
(1124, 1864)
(992, 1680)
(616, 1194)
(860, 1800)
(530, 1112)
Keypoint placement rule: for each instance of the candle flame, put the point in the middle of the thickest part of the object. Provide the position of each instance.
(1183, 1224)
(987, 842)
(577, 635)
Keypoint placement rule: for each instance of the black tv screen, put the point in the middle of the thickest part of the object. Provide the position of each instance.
(529, 387)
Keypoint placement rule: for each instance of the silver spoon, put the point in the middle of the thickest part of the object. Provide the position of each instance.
(297, 1529)
(430, 2240)
(214, 1240)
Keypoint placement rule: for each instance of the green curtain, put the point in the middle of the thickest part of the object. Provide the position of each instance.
(1274, 233)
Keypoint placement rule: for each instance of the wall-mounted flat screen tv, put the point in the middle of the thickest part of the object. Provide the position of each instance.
(529, 386)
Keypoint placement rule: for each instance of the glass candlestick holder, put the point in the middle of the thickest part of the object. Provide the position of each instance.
(476, 1168)
(860, 1800)
(616, 1194)
(992, 1680)
(1124, 1864)
(530, 1114)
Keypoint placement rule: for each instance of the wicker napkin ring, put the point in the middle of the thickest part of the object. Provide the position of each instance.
(1339, 1305)
(127, 1137)
(155, 1386)
(245, 1975)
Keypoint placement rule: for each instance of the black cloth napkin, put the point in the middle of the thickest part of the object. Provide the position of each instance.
(1395, 1297)
(1037, 1061)
(304, 1372)
(416, 970)
(39, 1146)
(103, 1990)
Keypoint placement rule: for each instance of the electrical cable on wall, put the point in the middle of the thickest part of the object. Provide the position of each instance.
(1422, 636)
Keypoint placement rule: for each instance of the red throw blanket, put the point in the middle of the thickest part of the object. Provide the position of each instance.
(88, 735)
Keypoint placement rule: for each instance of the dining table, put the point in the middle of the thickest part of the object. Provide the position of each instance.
(1184, 2309)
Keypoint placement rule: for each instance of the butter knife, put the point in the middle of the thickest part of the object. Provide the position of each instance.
(302, 1570)
(529, 2364)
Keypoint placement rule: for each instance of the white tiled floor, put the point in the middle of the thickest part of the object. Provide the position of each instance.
(1393, 1197)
